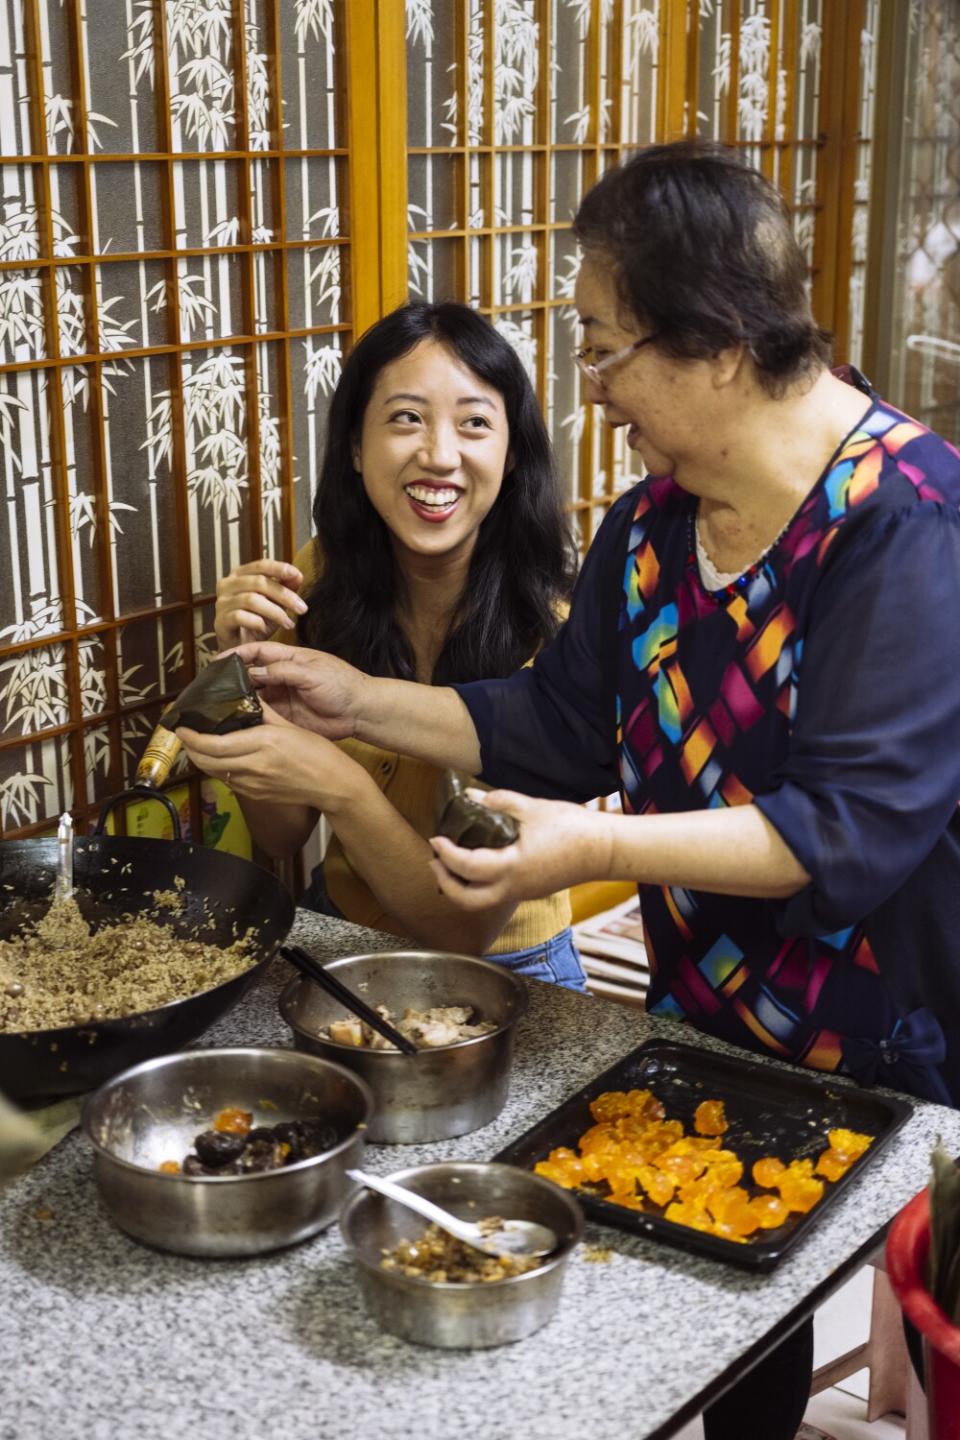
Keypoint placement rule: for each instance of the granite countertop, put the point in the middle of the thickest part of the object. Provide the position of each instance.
(103, 1338)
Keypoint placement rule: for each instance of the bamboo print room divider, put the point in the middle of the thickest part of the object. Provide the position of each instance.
(172, 313)
(203, 202)
(914, 330)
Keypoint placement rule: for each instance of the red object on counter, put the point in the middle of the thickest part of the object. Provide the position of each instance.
(908, 1246)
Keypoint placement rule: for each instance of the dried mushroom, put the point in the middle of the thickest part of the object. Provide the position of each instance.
(229, 1149)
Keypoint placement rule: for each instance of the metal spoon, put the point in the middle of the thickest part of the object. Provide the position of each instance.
(63, 884)
(515, 1237)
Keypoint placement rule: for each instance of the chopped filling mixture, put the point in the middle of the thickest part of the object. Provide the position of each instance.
(439, 1258)
(59, 971)
(443, 1025)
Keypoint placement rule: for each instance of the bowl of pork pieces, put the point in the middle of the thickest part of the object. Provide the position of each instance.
(460, 1012)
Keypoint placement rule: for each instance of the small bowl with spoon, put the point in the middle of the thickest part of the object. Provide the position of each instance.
(536, 1217)
(508, 1237)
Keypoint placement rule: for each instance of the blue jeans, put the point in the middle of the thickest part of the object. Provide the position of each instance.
(554, 960)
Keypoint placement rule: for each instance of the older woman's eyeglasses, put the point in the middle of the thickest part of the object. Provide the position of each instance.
(593, 369)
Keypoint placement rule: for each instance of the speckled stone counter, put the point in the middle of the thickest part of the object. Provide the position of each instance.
(103, 1339)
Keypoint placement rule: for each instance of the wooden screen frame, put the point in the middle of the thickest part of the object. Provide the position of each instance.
(366, 26)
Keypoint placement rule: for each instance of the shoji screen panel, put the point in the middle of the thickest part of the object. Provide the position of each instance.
(514, 108)
(174, 256)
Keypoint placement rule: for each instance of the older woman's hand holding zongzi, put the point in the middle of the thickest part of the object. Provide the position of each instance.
(559, 845)
(322, 693)
(562, 844)
(307, 687)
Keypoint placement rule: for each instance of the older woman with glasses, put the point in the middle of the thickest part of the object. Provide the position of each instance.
(762, 656)
(592, 363)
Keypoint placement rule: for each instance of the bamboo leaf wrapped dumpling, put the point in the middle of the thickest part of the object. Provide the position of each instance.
(468, 823)
(220, 699)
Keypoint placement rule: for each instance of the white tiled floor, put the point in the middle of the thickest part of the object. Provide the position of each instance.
(840, 1413)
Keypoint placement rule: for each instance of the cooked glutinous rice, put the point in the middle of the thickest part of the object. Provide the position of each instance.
(57, 972)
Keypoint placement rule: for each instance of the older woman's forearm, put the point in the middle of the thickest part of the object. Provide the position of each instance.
(735, 851)
(429, 722)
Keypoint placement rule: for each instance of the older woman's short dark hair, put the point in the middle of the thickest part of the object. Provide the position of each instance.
(704, 255)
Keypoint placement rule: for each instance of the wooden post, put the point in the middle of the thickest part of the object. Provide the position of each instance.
(836, 169)
(885, 174)
(392, 151)
(377, 137)
(672, 80)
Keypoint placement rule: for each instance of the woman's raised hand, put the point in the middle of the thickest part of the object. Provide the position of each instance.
(307, 687)
(255, 600)
(321, 692)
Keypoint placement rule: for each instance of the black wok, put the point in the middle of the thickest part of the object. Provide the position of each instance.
(113, 875)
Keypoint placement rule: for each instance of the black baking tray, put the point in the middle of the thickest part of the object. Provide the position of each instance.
(770, 1111)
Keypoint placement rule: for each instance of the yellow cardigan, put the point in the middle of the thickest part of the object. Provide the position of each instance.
(410, 786)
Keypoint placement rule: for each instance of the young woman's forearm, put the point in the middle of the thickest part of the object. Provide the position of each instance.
(279, 830)
(728, 852)
(429, 722)
(394, 859)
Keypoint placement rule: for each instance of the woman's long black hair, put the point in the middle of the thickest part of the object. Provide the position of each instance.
(522, 563)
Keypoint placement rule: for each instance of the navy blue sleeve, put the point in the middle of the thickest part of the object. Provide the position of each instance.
(550, 730)
(872, 777)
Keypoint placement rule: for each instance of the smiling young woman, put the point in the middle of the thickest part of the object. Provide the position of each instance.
(432, 454)
(441, 555)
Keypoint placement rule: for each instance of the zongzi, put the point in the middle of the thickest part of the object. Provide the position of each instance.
(217, 701)
(465, 821)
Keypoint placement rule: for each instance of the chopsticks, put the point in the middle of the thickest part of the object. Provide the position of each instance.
(326, 980)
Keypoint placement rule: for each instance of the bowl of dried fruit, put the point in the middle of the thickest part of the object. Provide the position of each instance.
(227, 1152)
(460, 1012)
(421, 1284)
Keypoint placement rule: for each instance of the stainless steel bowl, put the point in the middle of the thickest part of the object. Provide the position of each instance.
(458, 1316)
(152, 1112)
(435, 1094)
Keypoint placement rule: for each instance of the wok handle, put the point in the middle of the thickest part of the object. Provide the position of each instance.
(148, 793)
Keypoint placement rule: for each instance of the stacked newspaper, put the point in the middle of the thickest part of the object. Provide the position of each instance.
(613, 953)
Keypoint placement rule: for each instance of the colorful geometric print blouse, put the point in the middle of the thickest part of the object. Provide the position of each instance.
(823, 686)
